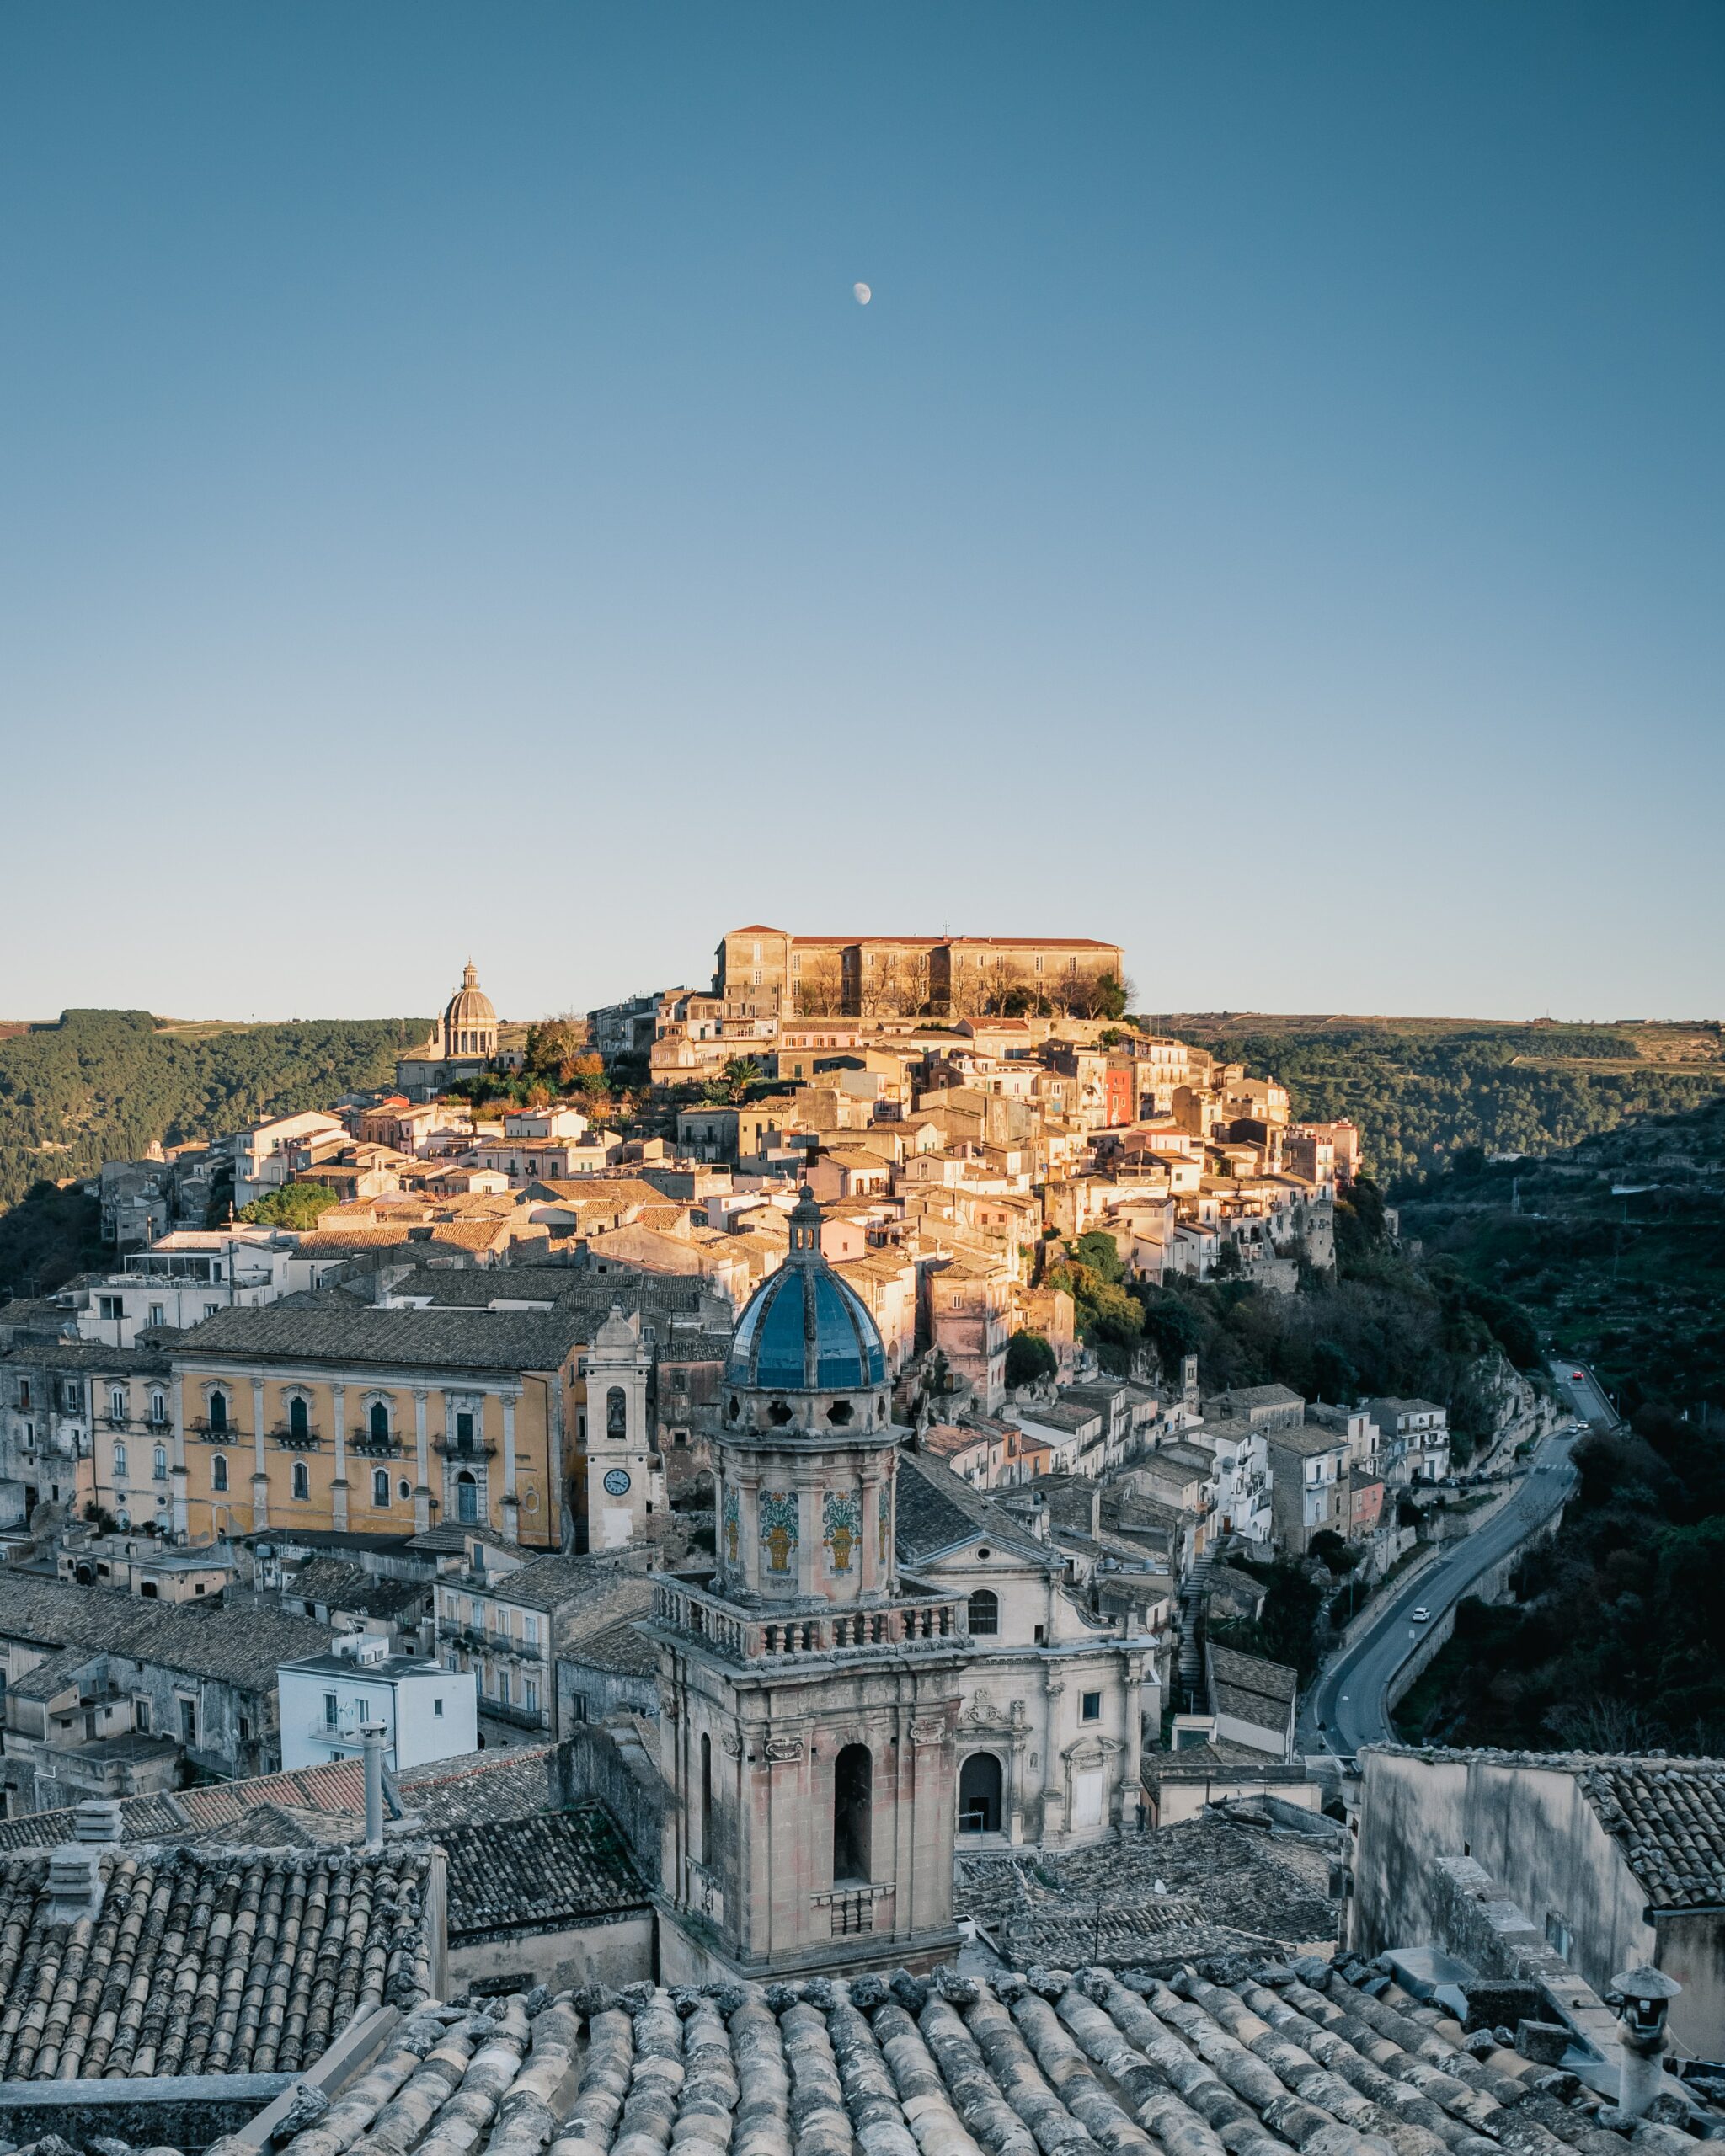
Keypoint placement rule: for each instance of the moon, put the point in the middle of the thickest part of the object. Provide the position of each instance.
(863, 294)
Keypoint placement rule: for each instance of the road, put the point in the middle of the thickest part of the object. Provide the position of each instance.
(1346, 1708)
(1585, 1395)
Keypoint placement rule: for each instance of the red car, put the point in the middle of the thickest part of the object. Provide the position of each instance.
(1579, 1376)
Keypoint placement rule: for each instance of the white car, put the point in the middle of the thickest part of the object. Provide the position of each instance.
(1422, 1615)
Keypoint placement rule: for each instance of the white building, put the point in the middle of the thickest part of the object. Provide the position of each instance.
(1242, 1475)
(1057, 1704)
(427, 1711)
(184, 1277)
(557, 1120)
(261, 1161)
(1416, 1438)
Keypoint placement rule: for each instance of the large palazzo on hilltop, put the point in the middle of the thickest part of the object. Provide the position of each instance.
(809, 1695)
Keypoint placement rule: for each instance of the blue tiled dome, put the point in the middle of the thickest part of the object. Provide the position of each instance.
(803, 1330)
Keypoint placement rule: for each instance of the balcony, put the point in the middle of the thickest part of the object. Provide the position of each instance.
(928, 1622)
(289, 1440)
(365, 1442)
(507, 1710)
(469, 1448)
(345, 1731)
(206, 1433)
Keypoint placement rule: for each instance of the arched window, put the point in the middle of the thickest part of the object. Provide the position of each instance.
(852, 1806)
(299, 1419)
(466, 1499)
(706, 1799)
(158, 1407)
(379, 1485)
(380, 1421)
(218, 1410)
(116, 1403)
(985, 1610)
(980, 1794)
(158, 1464)
(120, 1466)
(617, 1413)
(218, 1471)
(302, 1480)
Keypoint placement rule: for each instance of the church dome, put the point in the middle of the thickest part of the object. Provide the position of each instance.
(470, 1008)
(803, 1330)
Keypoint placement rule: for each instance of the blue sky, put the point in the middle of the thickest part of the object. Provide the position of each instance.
(1269, 514)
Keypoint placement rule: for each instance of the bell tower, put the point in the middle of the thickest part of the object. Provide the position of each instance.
(808, 1694)
(621, 1483)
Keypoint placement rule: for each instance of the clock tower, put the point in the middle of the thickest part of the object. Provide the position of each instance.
(622, 1483)
(808, 1694)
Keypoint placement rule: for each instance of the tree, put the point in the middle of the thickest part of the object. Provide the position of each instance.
(1029, 1358)
(821, 988)
(554, 1046)
(299, 1205)
(1333, 1552)
(1333, 1375)
(586, 1074)
(920, 983)
(730, 1084)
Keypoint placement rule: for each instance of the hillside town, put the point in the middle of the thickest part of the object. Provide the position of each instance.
(667, 1561)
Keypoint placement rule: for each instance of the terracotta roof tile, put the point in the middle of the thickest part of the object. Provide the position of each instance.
(204, 1961)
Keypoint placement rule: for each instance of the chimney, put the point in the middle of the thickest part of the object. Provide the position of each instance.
(74, 1882)
(1643, 1997)
(371, 1735)
(96, 1820)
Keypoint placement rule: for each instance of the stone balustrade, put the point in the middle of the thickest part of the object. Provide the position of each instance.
(752, 1636)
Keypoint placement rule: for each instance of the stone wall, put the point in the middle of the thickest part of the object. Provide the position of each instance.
(614, 1950)
(177, 2112)
(591, 1763)
(1480, 1854)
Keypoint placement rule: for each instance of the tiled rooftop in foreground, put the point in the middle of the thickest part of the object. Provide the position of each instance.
(1253, 2056)
(199, 1961)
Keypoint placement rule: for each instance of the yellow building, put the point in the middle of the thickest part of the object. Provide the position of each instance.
(323, 1411)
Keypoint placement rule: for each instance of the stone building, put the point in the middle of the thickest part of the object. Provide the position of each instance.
(809, 1693)
(105, 1693)
(323, 1411)
(1307, 1492)
(508, 1622)
(760, 972)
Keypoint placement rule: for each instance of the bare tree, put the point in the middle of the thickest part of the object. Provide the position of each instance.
(889, 983)
(968, 987)
(820, 991)
(1005, 983)
(1607, 1725)
(920, 976)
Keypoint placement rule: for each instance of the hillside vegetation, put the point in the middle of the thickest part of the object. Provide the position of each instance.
(1616, 1638)
(1382, 1322)
(1423, 1088)
(103, 1085)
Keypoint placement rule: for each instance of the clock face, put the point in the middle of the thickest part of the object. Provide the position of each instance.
(617, 1482)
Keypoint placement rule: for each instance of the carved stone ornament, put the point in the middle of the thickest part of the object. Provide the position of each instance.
(782, 1748)
(928, 1732)
(983, 1708)
(731, 1745)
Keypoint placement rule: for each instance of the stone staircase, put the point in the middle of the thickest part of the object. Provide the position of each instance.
(1194, 1594)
